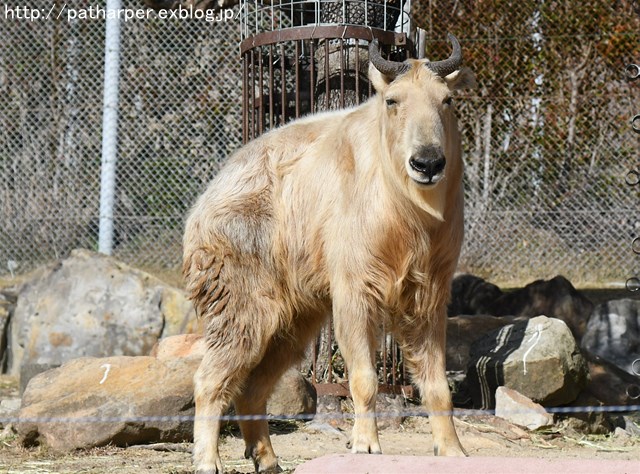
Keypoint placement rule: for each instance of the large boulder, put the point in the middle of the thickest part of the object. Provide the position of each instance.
(613, 334)
(556, 298)
(93, 305)
(7, 306)
(121, 401)
(539, 358)
(292, 395)
(462, 331)
(472, 295)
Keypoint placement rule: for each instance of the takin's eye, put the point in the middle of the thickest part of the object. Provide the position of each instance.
(391, 102)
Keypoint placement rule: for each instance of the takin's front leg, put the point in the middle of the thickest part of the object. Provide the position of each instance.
(425, 353)
(357, 338)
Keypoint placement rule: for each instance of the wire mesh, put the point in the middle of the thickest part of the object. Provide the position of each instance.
(548, 139)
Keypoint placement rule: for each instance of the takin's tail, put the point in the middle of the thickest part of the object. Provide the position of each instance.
(202, 271)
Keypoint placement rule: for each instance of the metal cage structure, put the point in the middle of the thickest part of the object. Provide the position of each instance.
(302, 56)
(305, 56)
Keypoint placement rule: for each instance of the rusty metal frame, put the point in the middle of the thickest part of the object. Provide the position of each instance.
(323, 32)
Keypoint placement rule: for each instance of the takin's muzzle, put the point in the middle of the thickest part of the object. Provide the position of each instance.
(427, 165)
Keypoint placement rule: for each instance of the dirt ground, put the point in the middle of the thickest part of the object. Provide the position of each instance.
(296, 442)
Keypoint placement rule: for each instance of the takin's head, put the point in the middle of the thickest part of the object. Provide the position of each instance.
(418, 125)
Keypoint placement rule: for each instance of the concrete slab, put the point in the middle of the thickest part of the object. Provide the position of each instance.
(390, 464)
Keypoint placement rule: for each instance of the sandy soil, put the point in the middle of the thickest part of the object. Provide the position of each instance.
(296, 442)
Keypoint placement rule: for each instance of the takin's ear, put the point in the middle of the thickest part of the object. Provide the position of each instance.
(463, 78)
(378, 80)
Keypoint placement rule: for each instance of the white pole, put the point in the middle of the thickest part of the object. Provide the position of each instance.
(109, 126)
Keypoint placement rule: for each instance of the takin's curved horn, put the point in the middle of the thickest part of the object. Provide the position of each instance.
(452, 63)
(391, 69)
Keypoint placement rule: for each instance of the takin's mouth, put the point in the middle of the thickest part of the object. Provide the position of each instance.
(424, 179)
(426, 172)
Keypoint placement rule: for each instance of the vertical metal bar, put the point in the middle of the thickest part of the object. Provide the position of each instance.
(327, 88)
(343, 66)
(283, 78)
(394, 361)
(384, 355)
(357, 72)
(251, 105)
(245, 100)
(260, 91)
(314, 366)
(312, 79)
(330, 364)
(271, 87)
(297, 91)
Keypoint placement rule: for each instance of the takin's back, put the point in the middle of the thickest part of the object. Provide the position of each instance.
(277, 197)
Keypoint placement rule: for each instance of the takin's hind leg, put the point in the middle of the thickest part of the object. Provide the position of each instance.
(252, 401)
(425, 353)
(215, 383)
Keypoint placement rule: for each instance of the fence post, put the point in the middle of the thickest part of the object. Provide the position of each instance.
(109, 126)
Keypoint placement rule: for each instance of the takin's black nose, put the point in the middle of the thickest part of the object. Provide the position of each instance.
(428, 161)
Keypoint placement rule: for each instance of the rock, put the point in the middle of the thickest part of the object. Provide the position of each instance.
(390, 409)
(292, 395)
(182, 345)
(93, 305)
(555, 298)
(7, 306)
(539, 358)
(585, 420)
(9, 408)
(28, 371)
(462, 331)
(115, 400)
(613, 334)
(472, 295)
(520, 410)
(329, 410)
(610, 386)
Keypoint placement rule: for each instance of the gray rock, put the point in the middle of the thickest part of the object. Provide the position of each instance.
(539, 358)
(9, 408)
(91, 402)
(29, 371)
(520, 410)
(292, 395)
(613, 334)
(93, 305)
(7, 306)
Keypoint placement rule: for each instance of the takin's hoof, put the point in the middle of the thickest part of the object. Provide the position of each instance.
(364, 448)
(451, 451)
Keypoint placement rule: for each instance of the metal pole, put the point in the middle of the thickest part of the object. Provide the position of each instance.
(109, 126)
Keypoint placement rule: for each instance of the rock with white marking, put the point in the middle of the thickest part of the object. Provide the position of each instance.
(520, 410)
(120, 401)
(539, 358)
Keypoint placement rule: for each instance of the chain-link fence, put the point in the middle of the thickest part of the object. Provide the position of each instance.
(548, 140)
